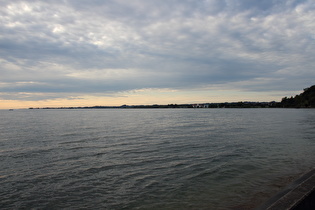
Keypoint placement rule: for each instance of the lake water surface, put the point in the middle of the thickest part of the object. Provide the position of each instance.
(151, 158)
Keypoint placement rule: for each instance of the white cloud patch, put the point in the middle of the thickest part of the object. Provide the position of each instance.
(95, 47)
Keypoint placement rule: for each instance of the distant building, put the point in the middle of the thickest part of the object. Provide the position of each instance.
(200, 105)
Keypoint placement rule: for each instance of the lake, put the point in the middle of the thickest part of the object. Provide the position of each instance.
(151, 158)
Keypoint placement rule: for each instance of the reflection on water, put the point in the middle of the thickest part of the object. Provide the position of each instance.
(151, 159)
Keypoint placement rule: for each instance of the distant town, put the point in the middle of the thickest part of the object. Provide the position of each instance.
(303, 100)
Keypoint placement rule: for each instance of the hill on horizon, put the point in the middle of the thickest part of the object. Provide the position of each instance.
(303, 100)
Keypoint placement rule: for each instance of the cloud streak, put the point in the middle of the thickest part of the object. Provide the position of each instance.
(71, 48)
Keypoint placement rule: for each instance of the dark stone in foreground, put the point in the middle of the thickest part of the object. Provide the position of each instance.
(297, 196)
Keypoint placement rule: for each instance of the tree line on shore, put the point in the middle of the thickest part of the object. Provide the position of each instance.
(303, 100)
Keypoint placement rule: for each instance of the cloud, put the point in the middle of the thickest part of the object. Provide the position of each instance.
(68, 48)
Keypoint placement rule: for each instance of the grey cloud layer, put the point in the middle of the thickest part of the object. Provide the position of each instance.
(107, 46)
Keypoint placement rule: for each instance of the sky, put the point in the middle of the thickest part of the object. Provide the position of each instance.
(57, 53)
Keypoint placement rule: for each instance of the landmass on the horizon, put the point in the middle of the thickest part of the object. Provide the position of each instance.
(303, 100)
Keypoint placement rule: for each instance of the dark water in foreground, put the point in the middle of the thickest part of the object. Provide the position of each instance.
(151, 159)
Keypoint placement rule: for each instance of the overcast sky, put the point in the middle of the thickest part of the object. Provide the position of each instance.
(113, 52)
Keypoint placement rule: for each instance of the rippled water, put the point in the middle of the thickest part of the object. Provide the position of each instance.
(151, 158)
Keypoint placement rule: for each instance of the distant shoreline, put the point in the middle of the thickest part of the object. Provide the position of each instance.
(272, 104)
(304, 100)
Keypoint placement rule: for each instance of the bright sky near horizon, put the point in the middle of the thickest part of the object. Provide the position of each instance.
(112, 52)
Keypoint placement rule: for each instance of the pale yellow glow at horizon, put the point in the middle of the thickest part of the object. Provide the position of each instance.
(147, 97)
